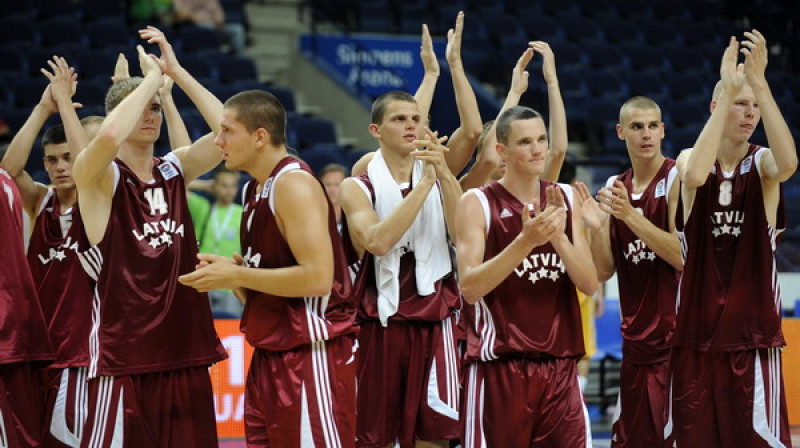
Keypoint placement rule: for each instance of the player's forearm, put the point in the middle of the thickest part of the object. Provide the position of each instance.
(176, 128)
(451, 192)
(77, 140)
(779, 137)
(461, 149)
(424, 95)
(19, 149)
(665, 244)
(480, 173)
(577, 259)
(475, 282)
(210, 106)
(600, 246)
(704, 153)
(558, 132)
(293, 281)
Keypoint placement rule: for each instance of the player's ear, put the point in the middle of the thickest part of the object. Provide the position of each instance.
(620, 133)
(262, 137)
(501, 150)
(374, 131)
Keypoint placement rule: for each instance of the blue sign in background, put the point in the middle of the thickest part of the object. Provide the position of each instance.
(371, 65)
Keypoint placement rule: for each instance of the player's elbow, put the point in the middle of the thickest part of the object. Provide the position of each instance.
(694, 178)
(588, 285)
(320, 284)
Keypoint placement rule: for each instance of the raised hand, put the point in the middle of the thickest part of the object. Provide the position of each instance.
(555, 198)
(63, 79)
(519, 77)
(731, 73)
(148, 63)
(549, 60)
(453, 50)
(614, 200)
(755, 57)
(543, 226)
(121, 71)
(591, 213)
(426, 53)
(168, 62)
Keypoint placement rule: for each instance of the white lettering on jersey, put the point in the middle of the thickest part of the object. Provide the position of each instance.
(549, 267)
(727, 223)
(57, 253)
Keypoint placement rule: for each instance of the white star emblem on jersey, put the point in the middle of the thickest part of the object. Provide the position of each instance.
(554, 275)
(716, 232)
(59, 255)
(533, 277)
(154, 242)
(736, 231)
(165, 238)
(635, 259)
(651, 256)
(542, 272)
(726, 229)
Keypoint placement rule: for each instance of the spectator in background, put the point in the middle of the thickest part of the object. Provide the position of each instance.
(331, 177)
(218, 233)
(209, 14)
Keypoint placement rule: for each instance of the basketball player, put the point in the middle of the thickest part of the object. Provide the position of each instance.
(299, 310)
(401, 213)
(152, 338)
(24, 341)
(521, 254)
(633, 233)
(726, 367)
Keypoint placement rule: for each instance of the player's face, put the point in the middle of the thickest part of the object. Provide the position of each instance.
(400, 127)
(149, 126)
(643, 131)
(743, 116)
(234, 141)
(331, 181)
(58, 164)
(527, 146)
(226, 186)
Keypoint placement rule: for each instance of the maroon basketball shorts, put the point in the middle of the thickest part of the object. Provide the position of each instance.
(156, 410)
(408, 387)
(302, 397)
(67, 404)
(642, 405)
(21, 405)
(523, 402)
(728, 399)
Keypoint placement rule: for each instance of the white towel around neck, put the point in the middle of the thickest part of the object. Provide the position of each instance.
(427, 238)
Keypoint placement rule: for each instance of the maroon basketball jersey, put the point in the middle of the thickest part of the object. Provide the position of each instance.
(412, 306)
(729, 298)
(144, 320)
(535, 311)
(283, 323)
(647, 283)
(23, 332)
(65, 290)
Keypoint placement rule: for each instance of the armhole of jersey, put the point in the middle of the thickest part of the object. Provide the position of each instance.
(484, 205)
(115, 167)
(757, 158)
(175, 161)
(567, 189)
(671, 176)
(363, 186)
(244, 191)
(610, 181)
(271, 197)
(45, 200)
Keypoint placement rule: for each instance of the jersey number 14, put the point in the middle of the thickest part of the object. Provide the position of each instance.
(155, 198)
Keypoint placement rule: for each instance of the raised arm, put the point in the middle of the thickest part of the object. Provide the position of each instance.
(176, 128)
(462, 142)
(424, 94)
(488, 160)
(448, 184)
(63, 80)
(614, 200)
(695, 164)
(368, 231)
(575, 254)
(19, 150)
(781, 162)
(478, 277)
(557, 115)
(203, 155)
(302, 214)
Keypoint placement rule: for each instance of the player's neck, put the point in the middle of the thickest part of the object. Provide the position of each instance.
(262, 167)
(731, 153)
(644, 170)
(525, 188)
(400, 164)
(67, 197)
(139, 159)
